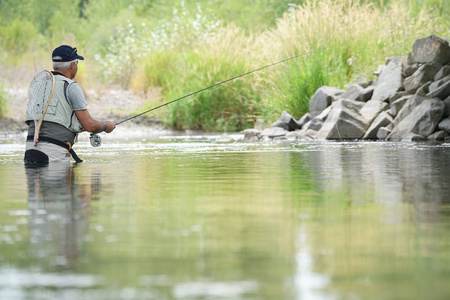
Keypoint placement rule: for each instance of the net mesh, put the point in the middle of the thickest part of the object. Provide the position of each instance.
(38, 94)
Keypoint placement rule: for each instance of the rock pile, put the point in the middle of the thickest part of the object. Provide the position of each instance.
(409, 100)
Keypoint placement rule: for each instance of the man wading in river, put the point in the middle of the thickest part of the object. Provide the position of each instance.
(66, 116)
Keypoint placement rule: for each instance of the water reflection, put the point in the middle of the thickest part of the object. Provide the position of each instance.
(58, 214)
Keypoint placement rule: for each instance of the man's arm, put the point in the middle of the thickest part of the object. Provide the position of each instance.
(91, 125)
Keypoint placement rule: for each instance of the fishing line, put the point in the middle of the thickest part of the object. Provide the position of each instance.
(217, 85)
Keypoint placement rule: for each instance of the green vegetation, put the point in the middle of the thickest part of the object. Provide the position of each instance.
(2, 101)
(179, 47)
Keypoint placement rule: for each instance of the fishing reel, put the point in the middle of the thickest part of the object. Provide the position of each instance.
(95, 139)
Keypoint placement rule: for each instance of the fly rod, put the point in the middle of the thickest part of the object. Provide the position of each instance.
(217, 84)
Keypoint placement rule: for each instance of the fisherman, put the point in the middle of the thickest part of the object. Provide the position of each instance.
(67, 114)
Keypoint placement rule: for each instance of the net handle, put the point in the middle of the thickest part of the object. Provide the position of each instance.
(41, 119)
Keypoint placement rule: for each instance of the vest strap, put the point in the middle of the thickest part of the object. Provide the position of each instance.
(67, 146)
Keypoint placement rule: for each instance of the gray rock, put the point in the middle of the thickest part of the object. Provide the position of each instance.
(383, 132)
(273, 132)
(424, 89)
(408, 70)
(397, 96)
(423, 120)
(251, 134)
(322, 98)
(440, 89)
(365, 94)
(343, 122)
(430, 49)
(390, 80)
(447, 107)
(443, 72)
(288, 119)
(424, 74)
(352, 92)
(372, 109)
(382, 120)
(408, 107)
(438, 136)
(281, 124)
(445, 125)
(397, 105)
(303, 120)
(413, 137)
(315, 124)
(366, 84)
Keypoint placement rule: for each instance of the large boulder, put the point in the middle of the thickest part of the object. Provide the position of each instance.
(382, 120)
(398, 104)
(352, 92)
(372, 109)
(423, 120)
(344, 121)
(440, 88)
(430, 49)
(445, 125)
(322, 98)
(408, 107)
(273, 132)
(423, 74)
(390, 80)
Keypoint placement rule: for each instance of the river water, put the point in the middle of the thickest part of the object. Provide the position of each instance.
(216, 217)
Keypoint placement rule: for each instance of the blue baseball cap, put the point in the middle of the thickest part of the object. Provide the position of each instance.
(65, 53)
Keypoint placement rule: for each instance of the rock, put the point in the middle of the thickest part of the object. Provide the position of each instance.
(397, 105)
(447, 107)
(322, 98)
(440, 89)
(438, 136)
(286, 122)
(343, 122)
(366, 84)
(303, 120)
(390, 80)
(273, 132)
(422, 120)
(316, 122)
(424, 89)
(372, 109)
(383, 132)
(382, 120)
(445, 125)
(365, 94)
(408, 107)
(281, 124)
(352, 92)
(430, 49)
(412, 137)
(443, 72)
(409, 69)
(423, 74)
(397, 96)
(251, 134)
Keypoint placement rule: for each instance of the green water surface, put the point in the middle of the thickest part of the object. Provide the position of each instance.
(214, 217)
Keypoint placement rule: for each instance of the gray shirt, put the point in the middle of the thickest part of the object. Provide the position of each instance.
(57, 131)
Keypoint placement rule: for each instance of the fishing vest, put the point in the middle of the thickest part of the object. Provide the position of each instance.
(59, 110)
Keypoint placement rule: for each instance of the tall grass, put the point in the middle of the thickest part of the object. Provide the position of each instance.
(227, 107)
(354, 37)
